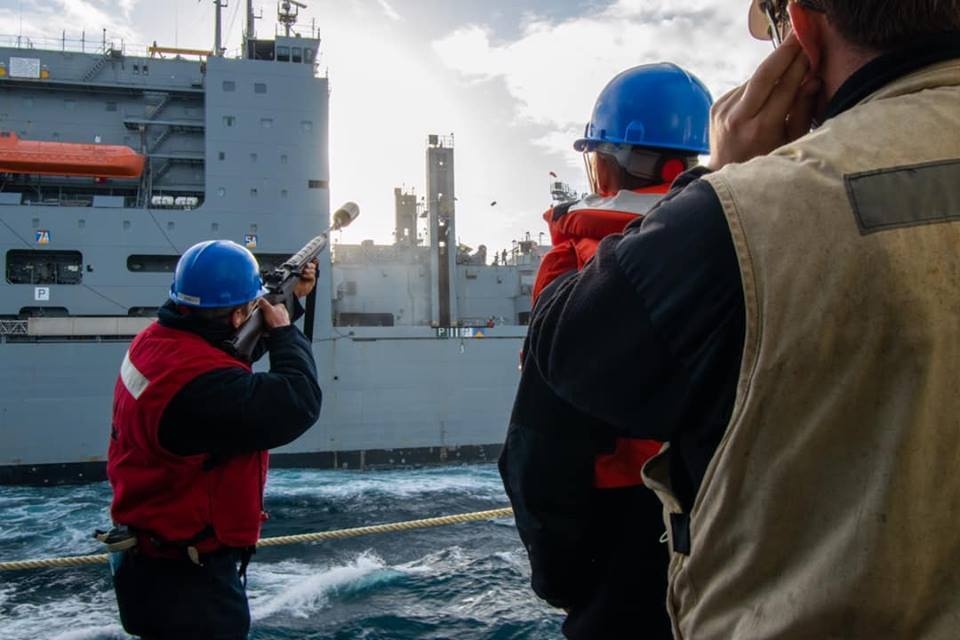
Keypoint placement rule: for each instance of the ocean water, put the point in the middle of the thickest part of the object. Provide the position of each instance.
(463, 581)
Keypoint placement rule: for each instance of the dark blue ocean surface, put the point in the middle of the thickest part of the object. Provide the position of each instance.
(463, 581)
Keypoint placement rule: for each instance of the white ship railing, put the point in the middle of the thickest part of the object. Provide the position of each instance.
(107, 44)
(95, 44)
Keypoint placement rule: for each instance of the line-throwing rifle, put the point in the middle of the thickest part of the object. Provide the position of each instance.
(280, 284)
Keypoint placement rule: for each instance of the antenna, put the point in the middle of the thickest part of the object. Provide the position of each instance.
(288, 11)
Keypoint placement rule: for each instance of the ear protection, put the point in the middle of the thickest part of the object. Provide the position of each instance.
(655, 166)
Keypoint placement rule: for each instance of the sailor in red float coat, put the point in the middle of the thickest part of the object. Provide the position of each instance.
(188, 445)
(209, 508)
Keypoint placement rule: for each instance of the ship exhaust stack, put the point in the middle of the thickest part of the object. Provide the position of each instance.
(443, 231)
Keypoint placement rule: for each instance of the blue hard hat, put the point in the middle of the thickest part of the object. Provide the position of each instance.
(653, 105)
(216, 273)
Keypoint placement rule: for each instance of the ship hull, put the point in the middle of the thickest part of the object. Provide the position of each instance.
(391, 397)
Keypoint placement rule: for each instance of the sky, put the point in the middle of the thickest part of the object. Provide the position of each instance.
(513, 80)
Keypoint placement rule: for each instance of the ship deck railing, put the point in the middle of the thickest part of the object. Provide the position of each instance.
(93, 43)
(96, 44)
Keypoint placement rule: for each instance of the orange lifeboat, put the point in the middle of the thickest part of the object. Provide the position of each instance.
(67, 159)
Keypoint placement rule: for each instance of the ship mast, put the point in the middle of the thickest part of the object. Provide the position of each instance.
(250, 32)
(217, 32)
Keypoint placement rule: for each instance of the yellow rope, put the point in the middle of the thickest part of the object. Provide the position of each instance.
(319, 536)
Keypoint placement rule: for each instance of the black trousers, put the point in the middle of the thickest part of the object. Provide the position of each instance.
(163, 599)
(628, 601)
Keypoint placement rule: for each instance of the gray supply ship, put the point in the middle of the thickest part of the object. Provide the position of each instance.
(113, 162)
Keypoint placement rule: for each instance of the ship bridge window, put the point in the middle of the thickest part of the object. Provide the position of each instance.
(152, 263)
(283, 54)
(44, 267)
(309, 55)
(297, 55)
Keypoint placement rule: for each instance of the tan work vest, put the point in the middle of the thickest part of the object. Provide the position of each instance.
(831, 508)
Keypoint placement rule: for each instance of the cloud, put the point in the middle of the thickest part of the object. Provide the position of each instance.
(127, 7)
(389, 11)
(51, 18)
(555, 69)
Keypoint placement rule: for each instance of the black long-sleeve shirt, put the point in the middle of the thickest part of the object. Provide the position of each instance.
(231, 410)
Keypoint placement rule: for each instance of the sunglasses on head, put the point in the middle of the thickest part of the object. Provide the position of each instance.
(778, 19)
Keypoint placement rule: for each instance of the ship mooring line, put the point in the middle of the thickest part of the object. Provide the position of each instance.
(318, 536)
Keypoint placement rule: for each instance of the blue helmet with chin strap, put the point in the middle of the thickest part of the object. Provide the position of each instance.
(216, 273)
(654, 105)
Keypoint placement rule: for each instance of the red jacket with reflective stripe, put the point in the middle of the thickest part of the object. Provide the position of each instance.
(576, 231)
(171, 497)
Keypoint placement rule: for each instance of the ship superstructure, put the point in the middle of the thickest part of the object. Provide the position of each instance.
(417, 342)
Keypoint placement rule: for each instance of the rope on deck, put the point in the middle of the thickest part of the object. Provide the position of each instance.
(319, 536)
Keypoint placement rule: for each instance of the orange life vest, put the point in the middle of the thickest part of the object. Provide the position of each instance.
(576, 230)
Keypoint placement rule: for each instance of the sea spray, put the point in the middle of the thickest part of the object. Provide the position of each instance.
(467, 581)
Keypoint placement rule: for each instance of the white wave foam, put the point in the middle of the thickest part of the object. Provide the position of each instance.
(108, 632)
(516, 559)
(447, 560)
(299, 590)
(5, 593)
(404, 483)
(71, 618)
